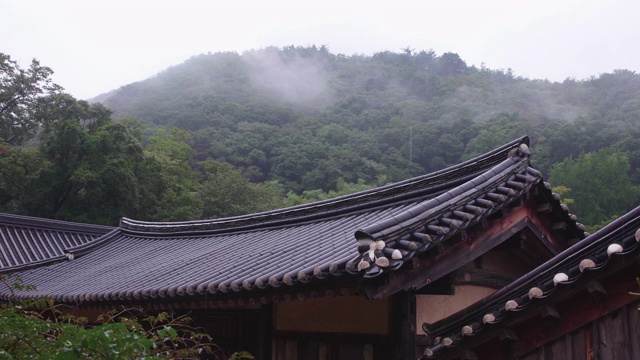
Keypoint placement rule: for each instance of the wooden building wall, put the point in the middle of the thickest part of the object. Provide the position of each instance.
(233, 329)
(341, 314)
(431, 308)
(339, 328)
(615, 336)
(472, 282)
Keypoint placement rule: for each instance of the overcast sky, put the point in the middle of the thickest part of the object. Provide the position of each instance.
(96, 46)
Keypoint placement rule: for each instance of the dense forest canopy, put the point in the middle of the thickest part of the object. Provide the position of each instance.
(227, 133)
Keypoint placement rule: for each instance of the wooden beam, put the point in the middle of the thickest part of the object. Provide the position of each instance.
(508, 335)
(433, 267)
(541, 227)
(480, 277)
(544, 208)
(511, 244)
(442, 286)
(537, 249)
(561, 225)
(550, 312)
(468, 355)
(509, 341)
(596, 289)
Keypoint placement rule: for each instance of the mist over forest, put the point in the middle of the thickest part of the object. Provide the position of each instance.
(226, 133)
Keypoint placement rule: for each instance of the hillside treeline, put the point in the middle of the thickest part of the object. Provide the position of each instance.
(301, 123)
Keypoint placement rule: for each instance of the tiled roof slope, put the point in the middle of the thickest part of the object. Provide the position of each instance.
(27, 241)
(295, 245)
(616, 243)
(387, 244)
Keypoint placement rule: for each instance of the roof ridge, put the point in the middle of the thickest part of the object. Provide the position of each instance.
(387, 244)
(82, 249)
(33, 264)
(50, 224)
(397, 192)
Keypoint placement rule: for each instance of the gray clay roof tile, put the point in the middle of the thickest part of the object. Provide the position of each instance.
(28, 241)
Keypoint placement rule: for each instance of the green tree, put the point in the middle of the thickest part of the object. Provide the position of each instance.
(19, 178)
(343, 188)
(225, 192)
(111, 176)
(19, 90)
(499, 130)
(87, 168)
(450, 64)
(179, 199)
(70, 142)
(599, 183)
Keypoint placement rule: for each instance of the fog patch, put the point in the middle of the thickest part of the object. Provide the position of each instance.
(289, 77)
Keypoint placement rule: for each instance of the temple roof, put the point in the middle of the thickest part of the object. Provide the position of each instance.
(364, 234)
(28, 241)
(617, 244)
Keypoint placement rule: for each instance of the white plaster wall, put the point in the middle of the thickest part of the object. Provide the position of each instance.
(431, 308)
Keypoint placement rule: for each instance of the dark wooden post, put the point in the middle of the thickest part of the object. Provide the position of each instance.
(403, 325)
(266, 331)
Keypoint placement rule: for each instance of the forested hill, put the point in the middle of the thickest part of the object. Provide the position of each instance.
(267, 85)
(306, 117)
(306, 124)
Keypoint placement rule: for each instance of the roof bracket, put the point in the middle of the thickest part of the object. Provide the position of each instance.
(468, 355)
(550, 312)
(508, 335)
(596, 289)
(544, 208)
(559, 225)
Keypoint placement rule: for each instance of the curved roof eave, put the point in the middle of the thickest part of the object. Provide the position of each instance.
(295, 245)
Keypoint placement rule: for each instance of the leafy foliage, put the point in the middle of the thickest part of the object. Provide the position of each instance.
(38, 330)
(599, 182)
(19, 179)
(90, 168)
(19, 91)
(225, 192)
(343, 188)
